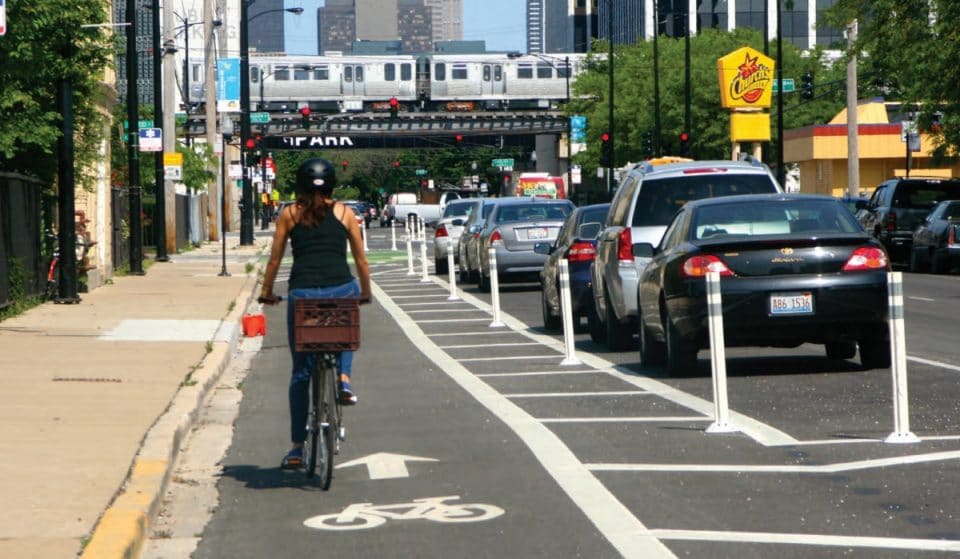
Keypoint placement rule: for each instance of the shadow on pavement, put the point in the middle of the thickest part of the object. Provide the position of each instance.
(255, 477)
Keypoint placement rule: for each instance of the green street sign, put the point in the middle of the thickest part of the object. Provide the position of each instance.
(421, 172)
(140, 124)
(259, 118)
(788, 85)
(502, 163)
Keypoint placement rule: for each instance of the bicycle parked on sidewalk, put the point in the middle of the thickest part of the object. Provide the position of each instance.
(324, 327)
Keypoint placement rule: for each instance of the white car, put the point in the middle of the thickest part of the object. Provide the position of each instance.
(447, 232)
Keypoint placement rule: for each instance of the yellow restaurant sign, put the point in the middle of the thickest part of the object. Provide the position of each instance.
(746, 79)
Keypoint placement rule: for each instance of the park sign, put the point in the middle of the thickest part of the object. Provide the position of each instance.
(746, 79)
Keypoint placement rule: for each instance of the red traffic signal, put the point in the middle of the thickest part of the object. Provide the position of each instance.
(459, 138)
(605, 137)
(305, 112)
(396, 164)
(344, 164)
(251, 143)
(394, 102)
(684, 137)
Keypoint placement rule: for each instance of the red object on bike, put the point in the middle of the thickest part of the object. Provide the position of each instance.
(254, 325)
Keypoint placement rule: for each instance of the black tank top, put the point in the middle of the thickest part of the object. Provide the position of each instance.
(319, 254)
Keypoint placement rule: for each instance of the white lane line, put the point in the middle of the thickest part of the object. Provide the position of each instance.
(478, 333)
(808, 539)
(542, 373)
(515, 358)
(441, 310)
(441, 320)
(621, 419)
(783, 468)
(927, 299)
(421, 290)
(577, 394)
(763, 434)
(424, 296)
(474, 346)
(615, 521)
(934, 363)
(437, 303)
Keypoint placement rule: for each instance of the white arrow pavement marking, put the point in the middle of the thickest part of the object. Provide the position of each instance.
(384, 465)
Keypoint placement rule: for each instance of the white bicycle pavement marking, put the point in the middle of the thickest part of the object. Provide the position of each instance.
(361, 516)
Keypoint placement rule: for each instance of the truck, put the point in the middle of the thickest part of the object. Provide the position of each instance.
(540, 185)
(429, 208)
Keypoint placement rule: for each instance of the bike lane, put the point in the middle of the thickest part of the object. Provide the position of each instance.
(417, 438)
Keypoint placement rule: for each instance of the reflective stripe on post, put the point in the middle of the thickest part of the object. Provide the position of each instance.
(718, 357)
(453, 277)
(494, 289)
(898, 363)
(566, 312)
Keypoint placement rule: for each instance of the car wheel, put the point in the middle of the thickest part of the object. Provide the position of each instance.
(875, 352)
(551, 322)
(440, 265)
(841, 350)
(595, 326)
(653, 353)
(618, 337)
(681, 353)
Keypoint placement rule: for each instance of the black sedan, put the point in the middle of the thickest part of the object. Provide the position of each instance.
(794, 269)
(936, 241)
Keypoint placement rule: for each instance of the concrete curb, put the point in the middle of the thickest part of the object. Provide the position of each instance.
(124, 526)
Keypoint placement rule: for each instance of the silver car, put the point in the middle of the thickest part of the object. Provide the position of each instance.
(446, 233)
(513, 228)
(468, 261)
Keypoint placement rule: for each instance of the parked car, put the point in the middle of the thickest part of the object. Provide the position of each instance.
(357, 208)
(642, 207)
(447, 232)
(795, 268)
(898, 206)
(512, 228)
(577, 243)
(936, 241)
(468, 261)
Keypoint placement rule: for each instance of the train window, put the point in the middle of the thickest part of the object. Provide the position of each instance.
(301, 74)
(359, 73)
(498, 73)
(281, 74)
(406, 72)
(459, 72)
(525, 71)
(390, 72)
(563, 71)
(544, 70)
(486, 73)
(440, 72)
(321, 73)
(348, 74)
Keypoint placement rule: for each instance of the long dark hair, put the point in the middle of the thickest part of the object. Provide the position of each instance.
(313, 206)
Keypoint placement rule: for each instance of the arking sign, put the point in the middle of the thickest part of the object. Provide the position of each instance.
(746, 79)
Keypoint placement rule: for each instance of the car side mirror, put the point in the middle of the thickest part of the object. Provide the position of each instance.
(543, 248)
(860, 204)
(588, 230)
(643, 250)
(474, 229)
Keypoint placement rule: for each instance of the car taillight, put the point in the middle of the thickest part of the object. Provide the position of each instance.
(891, 221)
(698, 266)
(952, 236)
(581, 252)
(441, 231)
(867, 258)
(625, 245)
(495, 237)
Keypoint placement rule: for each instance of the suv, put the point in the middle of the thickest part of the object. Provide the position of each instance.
(898, 206)
(640, 211)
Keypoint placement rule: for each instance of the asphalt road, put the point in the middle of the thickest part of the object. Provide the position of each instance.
(599, 459)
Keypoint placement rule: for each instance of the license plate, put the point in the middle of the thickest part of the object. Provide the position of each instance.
(791, 303)
(537, 233)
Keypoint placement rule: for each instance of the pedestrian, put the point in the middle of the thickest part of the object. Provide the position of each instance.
(318, 228)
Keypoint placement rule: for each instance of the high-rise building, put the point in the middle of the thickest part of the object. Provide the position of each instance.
(337, 25)
(343, 22)
(265, 32)
(447, 19)
(415, 26)
(376, 20)
(558, 26)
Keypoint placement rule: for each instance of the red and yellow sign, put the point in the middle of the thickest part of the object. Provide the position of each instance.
(746, 79)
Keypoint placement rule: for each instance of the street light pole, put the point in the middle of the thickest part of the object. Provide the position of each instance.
(656, 81)
(610, 123)
(566, 63)
(246, 201)
(226, 129)
(160, 207)
(133, 144)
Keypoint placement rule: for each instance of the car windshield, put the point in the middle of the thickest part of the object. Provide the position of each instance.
(457, 209)
(533, 212)
(952, 212)
(776, 217)
(924, 195)
(660, 199)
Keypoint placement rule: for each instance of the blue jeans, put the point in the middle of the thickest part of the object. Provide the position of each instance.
(303, 360)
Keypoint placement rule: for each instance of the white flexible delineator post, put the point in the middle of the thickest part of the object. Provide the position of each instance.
(453, 277)
(898, 363)
(494, 289)
(423, 261)
(718, 357)
(393, 237)
(566, 312)
(410, 271)
(363, 233)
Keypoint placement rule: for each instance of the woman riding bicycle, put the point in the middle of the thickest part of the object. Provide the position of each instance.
(319, 229)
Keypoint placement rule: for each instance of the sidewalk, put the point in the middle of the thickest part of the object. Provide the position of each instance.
(81, 385)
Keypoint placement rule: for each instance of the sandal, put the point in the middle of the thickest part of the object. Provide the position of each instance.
(293, 460)
(347, 397)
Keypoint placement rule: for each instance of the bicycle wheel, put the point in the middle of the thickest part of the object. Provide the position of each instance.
(313, 422)
(328, 419)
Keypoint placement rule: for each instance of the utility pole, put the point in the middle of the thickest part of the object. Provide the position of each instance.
(160, 209)
(210, 114)
(169, 121)
(610, 123)
(781, 171)
(853, 143)
(656, 81)
(246, 202)
(133, 143)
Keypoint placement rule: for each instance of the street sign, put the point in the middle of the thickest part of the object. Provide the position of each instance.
(421, 172)
(228, 85)
(171, 172)
(788, 85)
(151, 139)
(578, 129)
(140, 123)
(259, 118)
(502, 163)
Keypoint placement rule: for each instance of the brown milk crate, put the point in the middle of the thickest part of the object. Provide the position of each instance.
(326, 324)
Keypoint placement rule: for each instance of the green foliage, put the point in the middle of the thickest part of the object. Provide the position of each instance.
(710, 123)
(199, 164)
(44, 45)
(19, 302)
(913, 47)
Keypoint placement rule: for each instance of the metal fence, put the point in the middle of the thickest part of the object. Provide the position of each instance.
(21, 262)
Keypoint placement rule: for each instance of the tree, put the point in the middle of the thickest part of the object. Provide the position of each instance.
(913, 52)
(44, 44)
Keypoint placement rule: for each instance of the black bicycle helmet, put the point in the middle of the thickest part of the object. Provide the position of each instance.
(316, 175)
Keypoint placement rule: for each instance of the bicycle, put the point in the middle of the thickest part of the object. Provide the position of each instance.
(325, 327)
(83, 246)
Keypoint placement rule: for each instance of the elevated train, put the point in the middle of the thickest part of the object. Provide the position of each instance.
(431, 82)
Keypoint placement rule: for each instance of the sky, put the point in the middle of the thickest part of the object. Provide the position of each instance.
(501, 23)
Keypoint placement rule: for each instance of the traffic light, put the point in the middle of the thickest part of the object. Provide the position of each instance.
(648, 144)
(684, 143)
(344, 164)
(806, 87)
(459, 139)
(394, 107)
(305, 116)
(396, 164)
(253, 151)
(605, 160)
